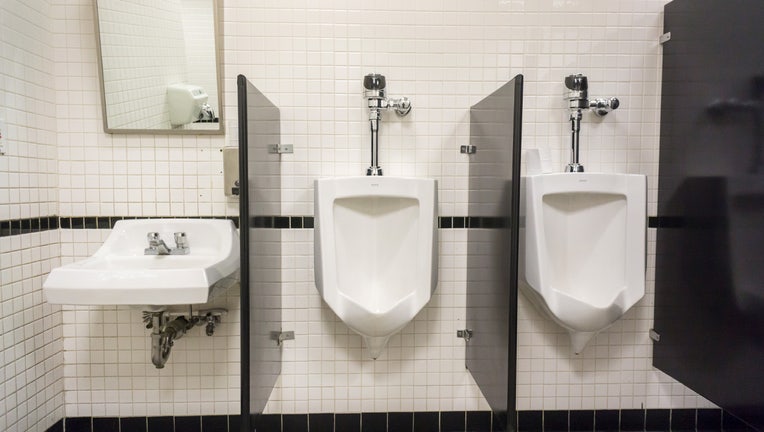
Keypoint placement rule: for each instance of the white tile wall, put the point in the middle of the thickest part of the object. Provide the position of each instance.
(107, 354)
(445, 55)
(309, 58)
(31, 376)
(31, 384)
(133, 175)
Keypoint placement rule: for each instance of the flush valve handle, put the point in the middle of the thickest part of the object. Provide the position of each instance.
(602, 106)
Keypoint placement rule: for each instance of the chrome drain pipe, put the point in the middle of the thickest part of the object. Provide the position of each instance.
(165, 329)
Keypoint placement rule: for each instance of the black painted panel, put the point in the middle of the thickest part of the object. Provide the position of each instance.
(294, 422)
(322, 422)
(106, 424)
(426, 421)
(188, 424)
(582, 420)
(634, 420)
(347, 422)
(709, 295)
(494, 183)
(555, 421)
(400, 421)
(78, 424)
(260, 194)
(155, 424)
(216, 423)
(132, 424)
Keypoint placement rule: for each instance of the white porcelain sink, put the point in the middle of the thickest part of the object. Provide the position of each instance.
(120, 273)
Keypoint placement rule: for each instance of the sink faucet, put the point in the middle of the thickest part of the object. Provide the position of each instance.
(157, 246)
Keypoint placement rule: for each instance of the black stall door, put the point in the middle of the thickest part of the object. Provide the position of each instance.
(492, 246)
(709, 294)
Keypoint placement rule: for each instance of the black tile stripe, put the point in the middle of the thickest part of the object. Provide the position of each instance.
(45, 223)
(489, 222)
(13, 227)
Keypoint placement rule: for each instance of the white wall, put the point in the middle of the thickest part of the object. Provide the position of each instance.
(446, 55)
(31, 384)
(310, 58)
(108, 370)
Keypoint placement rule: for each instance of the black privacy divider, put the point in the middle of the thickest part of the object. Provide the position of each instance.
(492, 247)
(709, 281)
(259, 194)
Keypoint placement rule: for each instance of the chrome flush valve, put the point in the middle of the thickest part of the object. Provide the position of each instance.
(374, 85)
(578, 100)
(578, 92)
(377, 100)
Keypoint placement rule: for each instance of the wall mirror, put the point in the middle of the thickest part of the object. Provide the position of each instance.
(160, 66)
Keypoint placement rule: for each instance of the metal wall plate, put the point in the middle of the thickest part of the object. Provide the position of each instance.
(468, 149)
(280, 337)
(230, 170)
(280, 148)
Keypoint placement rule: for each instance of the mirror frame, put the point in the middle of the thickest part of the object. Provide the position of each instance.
(216, 14)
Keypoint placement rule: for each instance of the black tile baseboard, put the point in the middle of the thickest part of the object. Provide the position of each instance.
(57, 427)
(650, 420)
(453, 421)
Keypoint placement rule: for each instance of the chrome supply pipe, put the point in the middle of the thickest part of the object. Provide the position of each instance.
(578, 98)
(575, 131)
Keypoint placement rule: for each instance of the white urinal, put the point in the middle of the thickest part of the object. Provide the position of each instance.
(582, 258)
(375, 251)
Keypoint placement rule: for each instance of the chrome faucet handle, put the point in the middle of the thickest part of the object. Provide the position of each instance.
(181, 241)
(155, 244)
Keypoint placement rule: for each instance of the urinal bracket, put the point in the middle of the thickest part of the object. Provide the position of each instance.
(468, 149)
(281, 336)
(280, 148)
(655, 336)
(465, 334)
